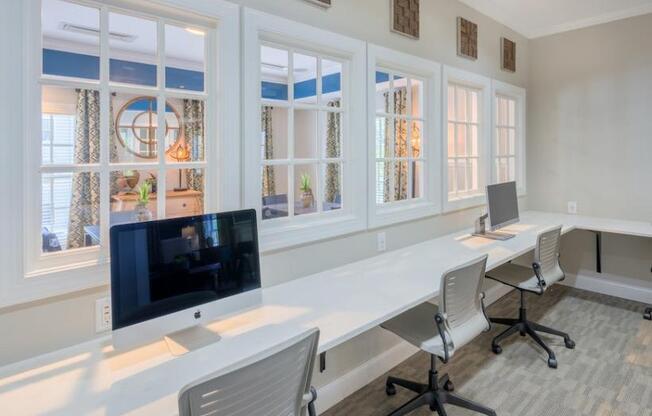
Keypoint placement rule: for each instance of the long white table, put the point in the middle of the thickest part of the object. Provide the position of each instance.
(92, 379)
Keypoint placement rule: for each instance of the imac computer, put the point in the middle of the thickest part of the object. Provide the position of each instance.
(502, 207)
(173, 276)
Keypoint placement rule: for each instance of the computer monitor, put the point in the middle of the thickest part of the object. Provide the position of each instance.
(173, 274)
(502, 204)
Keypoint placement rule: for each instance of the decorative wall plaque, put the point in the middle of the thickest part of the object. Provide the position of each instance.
(467, 38)
(405, 17)
(508, 54)
(322, 3)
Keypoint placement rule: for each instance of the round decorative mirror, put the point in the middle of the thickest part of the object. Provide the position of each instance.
(136, 125)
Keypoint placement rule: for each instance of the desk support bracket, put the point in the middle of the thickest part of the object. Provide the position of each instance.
(598, 251)
(322, 362)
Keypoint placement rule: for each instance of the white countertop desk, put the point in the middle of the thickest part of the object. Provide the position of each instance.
(91, 379)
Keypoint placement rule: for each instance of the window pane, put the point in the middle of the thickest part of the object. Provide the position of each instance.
(401, 149)
(274, 133)
(460, 145)
(461, 104)
(184, 58)
(70, 210)
(383, 102)
(332, 141)
(186, 144)
(400, 96)
(134, 128)
(511, 119)
(416, 140)
(274, 192)
(305, 134)
(383, 176)
(512, 169)
(451, 139)
(274, 73)
(184, 195)
(472, 134)
(132, 41)
(72, 117)
(331, 81)
(512, 141)
(384, 136)
(451, 103)
(472, 174)
(332, 175)
(305, 78)
(71, 44)
(305, 192)
(417, 179)
(460, 168)
(452, 176)
(473, 98)
(401, 174)
(133, 196)
(416, 86)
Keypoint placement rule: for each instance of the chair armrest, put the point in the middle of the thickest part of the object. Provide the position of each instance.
(484, 312)
(309, 400)
(537, 272)
(440, 320)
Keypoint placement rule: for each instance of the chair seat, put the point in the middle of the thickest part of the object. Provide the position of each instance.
(417, 326)
(519, 277)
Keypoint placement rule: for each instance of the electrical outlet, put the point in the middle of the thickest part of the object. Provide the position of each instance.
(382, 241)
(572, 207)
(102, 315)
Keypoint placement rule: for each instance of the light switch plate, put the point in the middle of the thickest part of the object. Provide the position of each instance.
(381, 241)
(102, 315)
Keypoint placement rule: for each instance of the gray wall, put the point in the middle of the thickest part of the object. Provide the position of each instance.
(55, 323)
(590, 120)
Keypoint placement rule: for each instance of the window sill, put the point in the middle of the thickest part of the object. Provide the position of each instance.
(389, 214)
(464, 202)
(281, 236)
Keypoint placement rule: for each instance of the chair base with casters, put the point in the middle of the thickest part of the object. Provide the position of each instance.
(435, 394)
(525, 327)
(648, 314)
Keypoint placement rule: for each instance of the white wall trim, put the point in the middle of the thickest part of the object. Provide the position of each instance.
(607, 284)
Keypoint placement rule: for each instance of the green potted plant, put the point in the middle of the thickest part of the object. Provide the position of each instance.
(143, 212)
(307, 198)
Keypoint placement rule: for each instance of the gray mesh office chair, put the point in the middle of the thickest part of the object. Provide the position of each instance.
(545, 271)
(276, 385)
(440, 331)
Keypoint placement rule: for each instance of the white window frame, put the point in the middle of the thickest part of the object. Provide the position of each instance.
(519, 95)
(483, 84)
(260, 28)
(39, 275)
(429, 204)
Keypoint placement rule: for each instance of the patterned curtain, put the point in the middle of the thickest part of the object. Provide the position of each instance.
(114, 176)
(399, 168)
(333, 137)
(269, 182)
(85, 197)
(193, 128)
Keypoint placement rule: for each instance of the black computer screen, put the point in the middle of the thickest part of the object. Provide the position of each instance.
(161, 267)
(503, 204)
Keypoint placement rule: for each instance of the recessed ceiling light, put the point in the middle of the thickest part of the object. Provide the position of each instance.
(195, 31)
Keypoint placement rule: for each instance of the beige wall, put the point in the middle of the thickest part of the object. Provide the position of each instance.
(590, 120)
(55, 323)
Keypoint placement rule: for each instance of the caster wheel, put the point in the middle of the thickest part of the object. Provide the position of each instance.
(523, 334)
(496, 349)
(648, 314)
(570, 344)
(390, 389)
(449, 386)
(552, 362)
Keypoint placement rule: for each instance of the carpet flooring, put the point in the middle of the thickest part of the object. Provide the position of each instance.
(609, 373)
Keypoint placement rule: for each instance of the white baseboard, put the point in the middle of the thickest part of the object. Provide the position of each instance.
(338, 389)
(609, 285)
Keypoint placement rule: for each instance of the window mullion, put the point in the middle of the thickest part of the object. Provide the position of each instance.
(290, 130)
(160, 119)
(105, 122)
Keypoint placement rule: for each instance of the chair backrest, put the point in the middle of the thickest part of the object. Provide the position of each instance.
(546, 255)
(461, 301)
(272, 386)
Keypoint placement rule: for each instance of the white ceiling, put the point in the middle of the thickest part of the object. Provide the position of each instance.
(536, 18)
